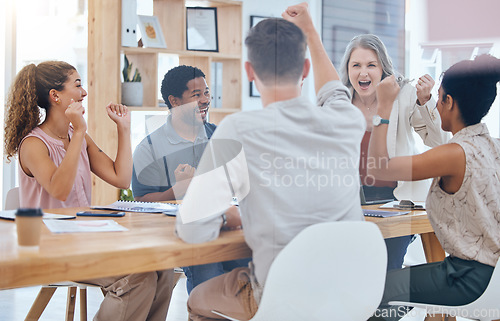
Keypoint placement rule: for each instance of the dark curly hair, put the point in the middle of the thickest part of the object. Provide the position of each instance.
(29, 91)
(473, 85)
(175, 81)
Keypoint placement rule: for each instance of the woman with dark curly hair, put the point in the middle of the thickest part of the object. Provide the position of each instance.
(463, 204)
(56, 157)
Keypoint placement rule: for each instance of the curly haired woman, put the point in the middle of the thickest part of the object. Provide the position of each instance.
(56, 157)
(463, 204)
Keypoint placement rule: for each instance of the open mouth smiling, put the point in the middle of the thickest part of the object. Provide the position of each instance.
(364, 84)
(203, 111)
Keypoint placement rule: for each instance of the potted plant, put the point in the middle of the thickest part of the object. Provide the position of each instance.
(131, 86)
(126, 195)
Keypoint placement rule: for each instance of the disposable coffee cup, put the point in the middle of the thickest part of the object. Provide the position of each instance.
(29, 226)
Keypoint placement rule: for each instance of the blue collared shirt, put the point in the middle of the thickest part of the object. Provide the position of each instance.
(158, 155)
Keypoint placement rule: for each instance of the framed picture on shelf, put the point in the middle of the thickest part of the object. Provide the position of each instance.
(201, 29)
(253, 21)
(152, 36)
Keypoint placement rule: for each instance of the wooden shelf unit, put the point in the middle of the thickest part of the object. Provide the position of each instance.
(146, 61)
(104, 73)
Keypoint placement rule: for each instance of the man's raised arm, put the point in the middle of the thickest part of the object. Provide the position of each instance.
(324, 71)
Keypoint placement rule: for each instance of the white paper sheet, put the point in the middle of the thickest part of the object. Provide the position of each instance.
(65, 226)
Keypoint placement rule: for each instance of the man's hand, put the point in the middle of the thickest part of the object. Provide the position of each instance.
(387, 91)
(324, 71)
(184, 172)
(299, 15)
(424, 87)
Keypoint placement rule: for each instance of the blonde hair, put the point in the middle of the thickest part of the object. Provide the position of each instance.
(29, 91)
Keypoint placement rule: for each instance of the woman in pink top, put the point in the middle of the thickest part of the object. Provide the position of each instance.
(56, 157)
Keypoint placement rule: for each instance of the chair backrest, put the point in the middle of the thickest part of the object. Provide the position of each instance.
(333, 270)
(12, 199)
(487, 306)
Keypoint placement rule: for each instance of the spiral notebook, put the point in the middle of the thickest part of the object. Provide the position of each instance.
(379, 213)
(141, 207)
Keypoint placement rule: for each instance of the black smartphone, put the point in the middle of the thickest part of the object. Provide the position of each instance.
(100, 213)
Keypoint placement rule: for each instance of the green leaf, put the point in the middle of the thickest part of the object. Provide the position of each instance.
(127, 72)
(137, 76)
(126, 195)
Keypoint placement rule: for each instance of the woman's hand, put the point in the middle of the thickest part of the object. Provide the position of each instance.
(74, 113)
(119, 114)
(424, 87)
(233, 218)
(387, 91)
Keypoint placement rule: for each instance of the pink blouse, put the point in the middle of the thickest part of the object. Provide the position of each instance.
(32, 194)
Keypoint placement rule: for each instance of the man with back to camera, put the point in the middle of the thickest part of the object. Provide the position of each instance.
(292, 164)
(165, 160)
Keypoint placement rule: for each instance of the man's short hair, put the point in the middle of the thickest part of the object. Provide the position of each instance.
(276, 50)
(175, 81)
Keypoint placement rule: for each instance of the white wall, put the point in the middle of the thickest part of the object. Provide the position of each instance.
(3, 89)
(7, 72)
(465, 27)
(416, 33)
(273, 8)
(492, 119)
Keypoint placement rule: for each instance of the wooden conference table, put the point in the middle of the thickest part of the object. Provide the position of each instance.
(148, 245)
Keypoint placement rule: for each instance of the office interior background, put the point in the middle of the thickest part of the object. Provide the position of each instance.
(422, 36)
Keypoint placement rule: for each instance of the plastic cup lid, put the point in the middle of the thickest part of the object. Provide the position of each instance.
(29, 212)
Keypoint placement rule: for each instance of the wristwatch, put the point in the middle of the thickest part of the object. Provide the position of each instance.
(377, 120)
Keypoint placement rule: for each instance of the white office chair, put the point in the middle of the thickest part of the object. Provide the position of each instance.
(485, 308)
(47, 291)
(12, 199)
(342, 287)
